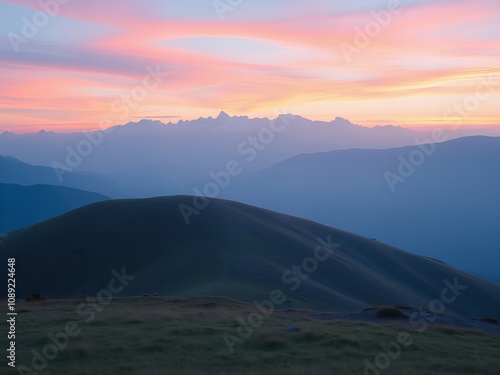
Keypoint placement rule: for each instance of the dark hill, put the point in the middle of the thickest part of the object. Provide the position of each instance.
(229, 249)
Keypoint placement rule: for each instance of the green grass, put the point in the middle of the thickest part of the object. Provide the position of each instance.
(157, 336)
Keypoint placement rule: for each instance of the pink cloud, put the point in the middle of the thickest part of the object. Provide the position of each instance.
(422, 52)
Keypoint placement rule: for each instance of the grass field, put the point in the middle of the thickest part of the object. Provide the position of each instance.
(160, 335)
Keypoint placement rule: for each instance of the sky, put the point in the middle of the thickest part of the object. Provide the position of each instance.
(69, 65)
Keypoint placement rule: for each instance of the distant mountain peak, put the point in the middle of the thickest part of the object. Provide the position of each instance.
(290, 116)
(223, 116)
(343, 121)
(143, 123)
(149, 122)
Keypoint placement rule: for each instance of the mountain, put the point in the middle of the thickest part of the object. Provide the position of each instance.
(176, 154)
(232, 250)
(22, 206)
(443, 205)
(14, 171)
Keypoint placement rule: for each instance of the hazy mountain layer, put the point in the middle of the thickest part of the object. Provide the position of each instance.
(22, 206)
(439, 200)
(189, 150)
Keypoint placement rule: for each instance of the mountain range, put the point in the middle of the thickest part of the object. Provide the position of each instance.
(188, 150)
(435, 199)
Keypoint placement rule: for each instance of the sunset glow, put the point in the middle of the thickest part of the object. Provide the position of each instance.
(426, 63)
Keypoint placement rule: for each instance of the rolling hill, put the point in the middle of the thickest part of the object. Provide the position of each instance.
(446, 208)
(22, 206)
(229, 249)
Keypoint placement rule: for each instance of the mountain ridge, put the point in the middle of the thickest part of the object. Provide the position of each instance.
(22, 206)
(450, 197)
(150, 147)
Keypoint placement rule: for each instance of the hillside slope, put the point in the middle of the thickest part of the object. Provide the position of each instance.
(14, 171)
(228, 249)
(447, 208)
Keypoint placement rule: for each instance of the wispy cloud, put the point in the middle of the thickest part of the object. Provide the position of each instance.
(155, 117)
(265, 54)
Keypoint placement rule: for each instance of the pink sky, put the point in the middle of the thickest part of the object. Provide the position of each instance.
(432, 63)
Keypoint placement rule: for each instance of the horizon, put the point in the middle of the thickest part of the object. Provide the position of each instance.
(370, 62)
(468, 130)
(310, 186)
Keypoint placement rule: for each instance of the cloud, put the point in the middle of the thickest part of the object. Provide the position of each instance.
(155, 117)
(264, 55)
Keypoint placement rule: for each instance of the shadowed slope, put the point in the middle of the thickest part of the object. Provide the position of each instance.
(447, 208)
(229, 249)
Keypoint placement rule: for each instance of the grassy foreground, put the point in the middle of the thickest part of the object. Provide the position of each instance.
(160, 335)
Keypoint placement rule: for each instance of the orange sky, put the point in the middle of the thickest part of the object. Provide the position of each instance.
(419, 63)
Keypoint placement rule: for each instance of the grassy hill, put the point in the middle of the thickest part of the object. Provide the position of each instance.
(229, 249)
(181, 336)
